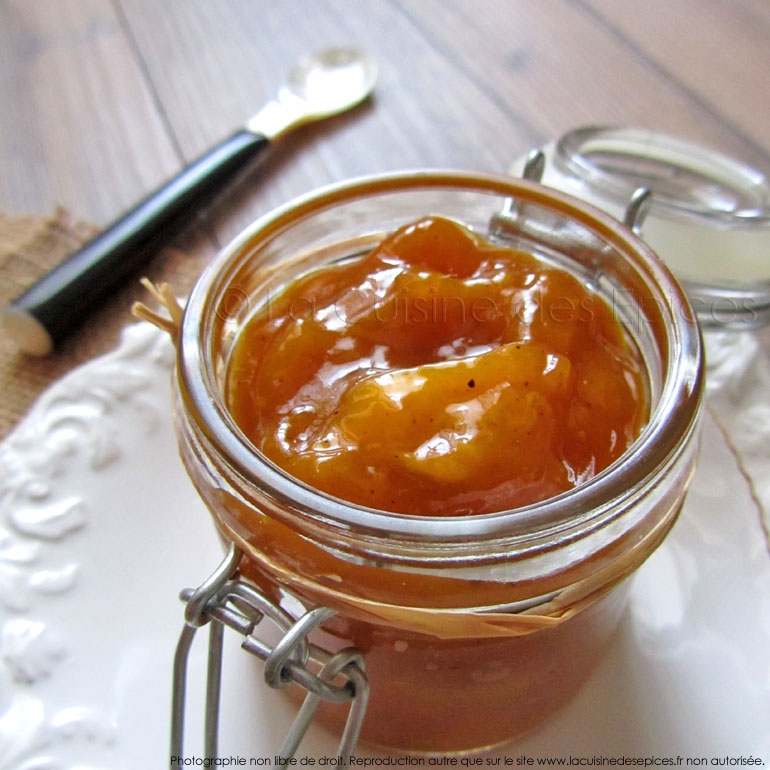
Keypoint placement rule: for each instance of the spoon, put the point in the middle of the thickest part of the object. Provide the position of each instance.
(319, 86)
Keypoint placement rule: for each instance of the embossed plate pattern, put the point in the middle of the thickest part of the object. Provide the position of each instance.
(100, 528)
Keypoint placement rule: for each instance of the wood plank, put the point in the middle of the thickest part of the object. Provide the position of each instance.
(719, 50)
(562, 67)
(83, 130)
(79, 128)
(214, 63)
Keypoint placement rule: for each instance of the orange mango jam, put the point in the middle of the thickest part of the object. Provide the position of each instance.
(439, 374)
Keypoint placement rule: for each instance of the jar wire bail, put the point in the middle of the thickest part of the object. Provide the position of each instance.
(225, 600)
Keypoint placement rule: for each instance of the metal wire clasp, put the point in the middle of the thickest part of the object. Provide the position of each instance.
(226, 600)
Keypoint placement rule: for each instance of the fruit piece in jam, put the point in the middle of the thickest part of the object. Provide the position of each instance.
(440, 374)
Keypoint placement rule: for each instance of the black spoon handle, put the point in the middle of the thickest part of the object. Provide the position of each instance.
(46, 312)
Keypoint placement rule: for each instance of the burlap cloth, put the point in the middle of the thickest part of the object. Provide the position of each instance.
(29, 247)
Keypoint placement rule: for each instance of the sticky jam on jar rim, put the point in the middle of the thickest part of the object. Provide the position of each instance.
(439, 374)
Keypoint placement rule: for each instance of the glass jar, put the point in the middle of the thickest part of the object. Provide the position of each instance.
(473, 628)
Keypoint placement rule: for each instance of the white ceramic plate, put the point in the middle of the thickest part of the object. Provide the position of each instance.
(100, 529)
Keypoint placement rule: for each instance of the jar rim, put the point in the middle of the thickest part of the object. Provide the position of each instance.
(669, 426)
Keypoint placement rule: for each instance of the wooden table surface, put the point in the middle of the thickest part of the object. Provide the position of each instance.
(102, 100)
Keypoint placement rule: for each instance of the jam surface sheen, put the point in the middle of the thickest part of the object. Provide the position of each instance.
(438, 375)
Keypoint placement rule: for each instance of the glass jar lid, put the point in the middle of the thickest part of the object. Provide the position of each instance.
(708, 216)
